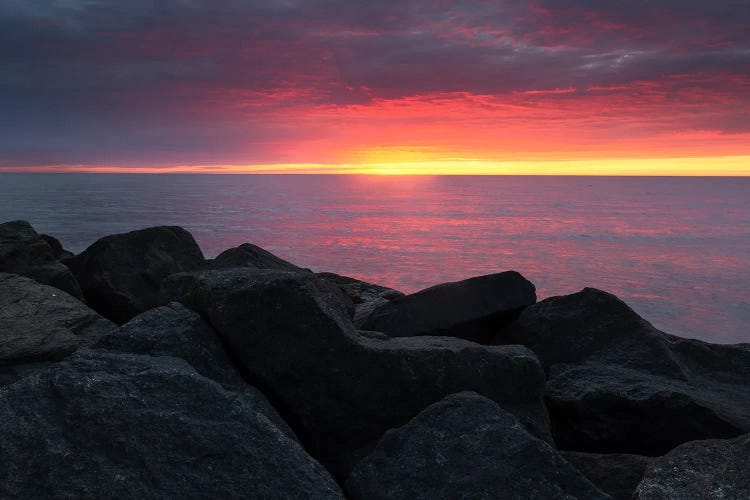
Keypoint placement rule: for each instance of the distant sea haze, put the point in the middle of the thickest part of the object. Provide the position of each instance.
(676, 249)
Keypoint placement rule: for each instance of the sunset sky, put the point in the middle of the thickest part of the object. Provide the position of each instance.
(544, 86)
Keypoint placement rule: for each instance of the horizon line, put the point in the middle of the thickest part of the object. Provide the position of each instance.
(722, 166)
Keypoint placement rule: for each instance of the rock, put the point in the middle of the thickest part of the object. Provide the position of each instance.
(700, 470)
(592, 326)
(365, 296)
(57, 249)
(120, 274)
(41, 323)
(617, 474)
(174, 330)
(249, 255)
(619, 385)
(338, 389)
(472, 309)
(24, 252)
(114, 425)
(465, 446)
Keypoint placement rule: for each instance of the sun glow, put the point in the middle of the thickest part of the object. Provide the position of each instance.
(390, 161)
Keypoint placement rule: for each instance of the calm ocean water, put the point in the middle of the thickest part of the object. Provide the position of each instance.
(676, 249)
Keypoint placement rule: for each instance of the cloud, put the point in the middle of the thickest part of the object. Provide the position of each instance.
(206, 80)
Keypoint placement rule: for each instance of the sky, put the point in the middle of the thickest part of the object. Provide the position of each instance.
(393, 86)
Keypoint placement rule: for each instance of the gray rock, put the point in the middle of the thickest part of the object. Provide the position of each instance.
(24, 252)
(114, 425)
(249, 255)
(42, 323)
(700, 470)
(176, 331)
(365, 296)
(616, 474)
(472, 309)
(120, 274)
(57, 249)
(338, 389)
(619, 385)
(465, 446)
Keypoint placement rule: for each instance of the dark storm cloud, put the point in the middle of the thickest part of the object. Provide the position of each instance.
(89, 80)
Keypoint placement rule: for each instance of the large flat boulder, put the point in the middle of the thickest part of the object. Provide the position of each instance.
(619, 385)
(465, 446)
(339, 389)
(24, 252)
(114, 425)
(471, 309)
(42, 323)
(176, 331)
(252, 256)
(616, 474)
(120, 274)
(700, 470)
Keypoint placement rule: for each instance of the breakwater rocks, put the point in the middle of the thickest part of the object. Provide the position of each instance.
(140, 369)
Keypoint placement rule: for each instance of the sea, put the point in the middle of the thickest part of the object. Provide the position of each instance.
(676, 249)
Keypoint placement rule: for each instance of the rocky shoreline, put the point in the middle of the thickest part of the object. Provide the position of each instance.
(140, 369)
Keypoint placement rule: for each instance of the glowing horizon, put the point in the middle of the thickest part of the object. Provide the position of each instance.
(504, 88)
(737, 166)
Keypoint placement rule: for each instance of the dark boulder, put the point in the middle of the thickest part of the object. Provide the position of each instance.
(619, 385)
(249, 255)
(24, 252)
(607, 409)
(616, 474)
(465, 446)
(365, 296)
(41, 323)
(176, 331)
(120, 274)
(114, 425)
(338, 389)
(472, 309)
(592, 326)
(700, 470)
(57, 249)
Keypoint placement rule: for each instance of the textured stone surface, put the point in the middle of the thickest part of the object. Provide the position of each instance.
(465, 446)
(700, 470)
(57, 249)
(249, 255)
(41, 323)
(120, 274)
(24, 252)
(472, 309)
(114, 425)
(366, 297)
(341, 390)
(174, 330)
(616, 474)
(619, 385)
